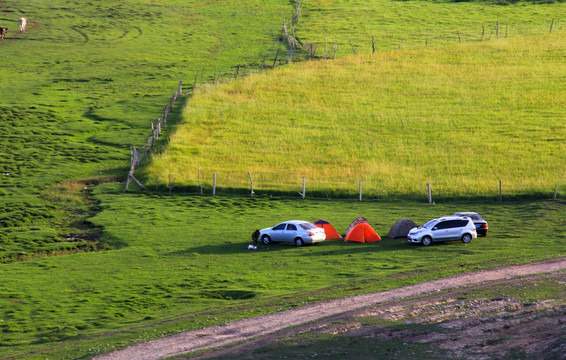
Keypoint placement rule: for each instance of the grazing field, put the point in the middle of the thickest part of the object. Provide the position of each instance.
(182, 263)
(397, 25)
(84, 83)
(460, 117)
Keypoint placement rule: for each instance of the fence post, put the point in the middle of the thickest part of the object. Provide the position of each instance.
(555, 191)
(497, 30)
(429, 193)
(171, 183)
(360, 186)
(352, 45)
(275, 61)
(196, 78)
(335, 48)
(500, 192)
(251, 185)
(213, 184)
(551, 25)
(304, 189)
(373, 44)
(199, 184)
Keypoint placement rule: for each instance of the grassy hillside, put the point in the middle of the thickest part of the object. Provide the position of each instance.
(419, 23)
(461, 117)
(84, 83)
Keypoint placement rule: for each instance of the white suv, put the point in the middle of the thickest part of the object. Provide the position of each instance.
(444, 229)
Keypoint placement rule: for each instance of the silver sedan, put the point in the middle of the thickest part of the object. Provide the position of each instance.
(293, 231)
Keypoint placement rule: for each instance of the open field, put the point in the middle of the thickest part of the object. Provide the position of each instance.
(86, 80)
(461, 117)
(416, 24)
(181, 269)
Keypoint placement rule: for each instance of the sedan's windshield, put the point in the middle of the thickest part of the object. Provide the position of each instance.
(429, 224)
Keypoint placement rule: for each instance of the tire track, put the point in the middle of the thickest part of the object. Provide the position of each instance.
(225, 334)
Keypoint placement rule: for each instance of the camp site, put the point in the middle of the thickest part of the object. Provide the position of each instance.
(144, 142)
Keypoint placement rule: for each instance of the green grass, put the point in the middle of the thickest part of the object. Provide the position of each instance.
(417, 24)
(86, 80)
(461, 117)
(181, 262)
(83, 84)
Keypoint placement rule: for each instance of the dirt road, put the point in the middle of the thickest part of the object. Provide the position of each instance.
(220, 335)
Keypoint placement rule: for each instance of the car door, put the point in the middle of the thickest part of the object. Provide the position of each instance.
(439, 231)
(453, 229)
(290, 233)
(277, 232)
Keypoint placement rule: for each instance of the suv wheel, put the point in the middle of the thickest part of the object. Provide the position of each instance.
(466, 238)
(427, 240)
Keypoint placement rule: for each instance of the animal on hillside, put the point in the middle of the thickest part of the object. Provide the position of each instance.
(3, 32)
(23, 22)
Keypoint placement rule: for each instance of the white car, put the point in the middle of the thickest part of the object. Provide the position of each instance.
(293, 231)
(444, 229)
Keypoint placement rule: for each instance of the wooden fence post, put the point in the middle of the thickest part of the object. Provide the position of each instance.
(352, 45)
(171, 183)
(497, 30)
(500, 192)
(551, 25)
(213, 184)
(275, 61)
(373, 44)
(251, 185)
(199, 184)
(304, 188)
(360, 186)
(335, 48)
(196, 78)
(262, 63)
(555, 191)
(429, 193)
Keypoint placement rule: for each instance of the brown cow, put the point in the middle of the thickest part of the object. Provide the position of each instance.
(3, 31)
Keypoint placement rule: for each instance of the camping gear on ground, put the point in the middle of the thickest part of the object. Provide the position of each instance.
(361, 232)
(330, 231)
(401, 228)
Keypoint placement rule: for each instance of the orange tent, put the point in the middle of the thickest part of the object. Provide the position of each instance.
(330, 231)
(363, 233)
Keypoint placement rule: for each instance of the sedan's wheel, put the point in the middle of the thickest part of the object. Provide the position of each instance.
(427, 240)
(266, 239)
(466, 238)
(299, 242)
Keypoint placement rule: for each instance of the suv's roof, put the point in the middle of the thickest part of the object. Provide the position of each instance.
(451, 217)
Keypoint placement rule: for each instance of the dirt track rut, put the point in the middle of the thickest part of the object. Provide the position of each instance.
(220, 335)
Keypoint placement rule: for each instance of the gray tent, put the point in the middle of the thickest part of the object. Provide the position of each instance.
(401, 228)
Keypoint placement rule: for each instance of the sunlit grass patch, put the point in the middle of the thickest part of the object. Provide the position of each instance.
(461, 118)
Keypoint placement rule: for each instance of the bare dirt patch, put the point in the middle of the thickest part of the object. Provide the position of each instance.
(471, 329)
